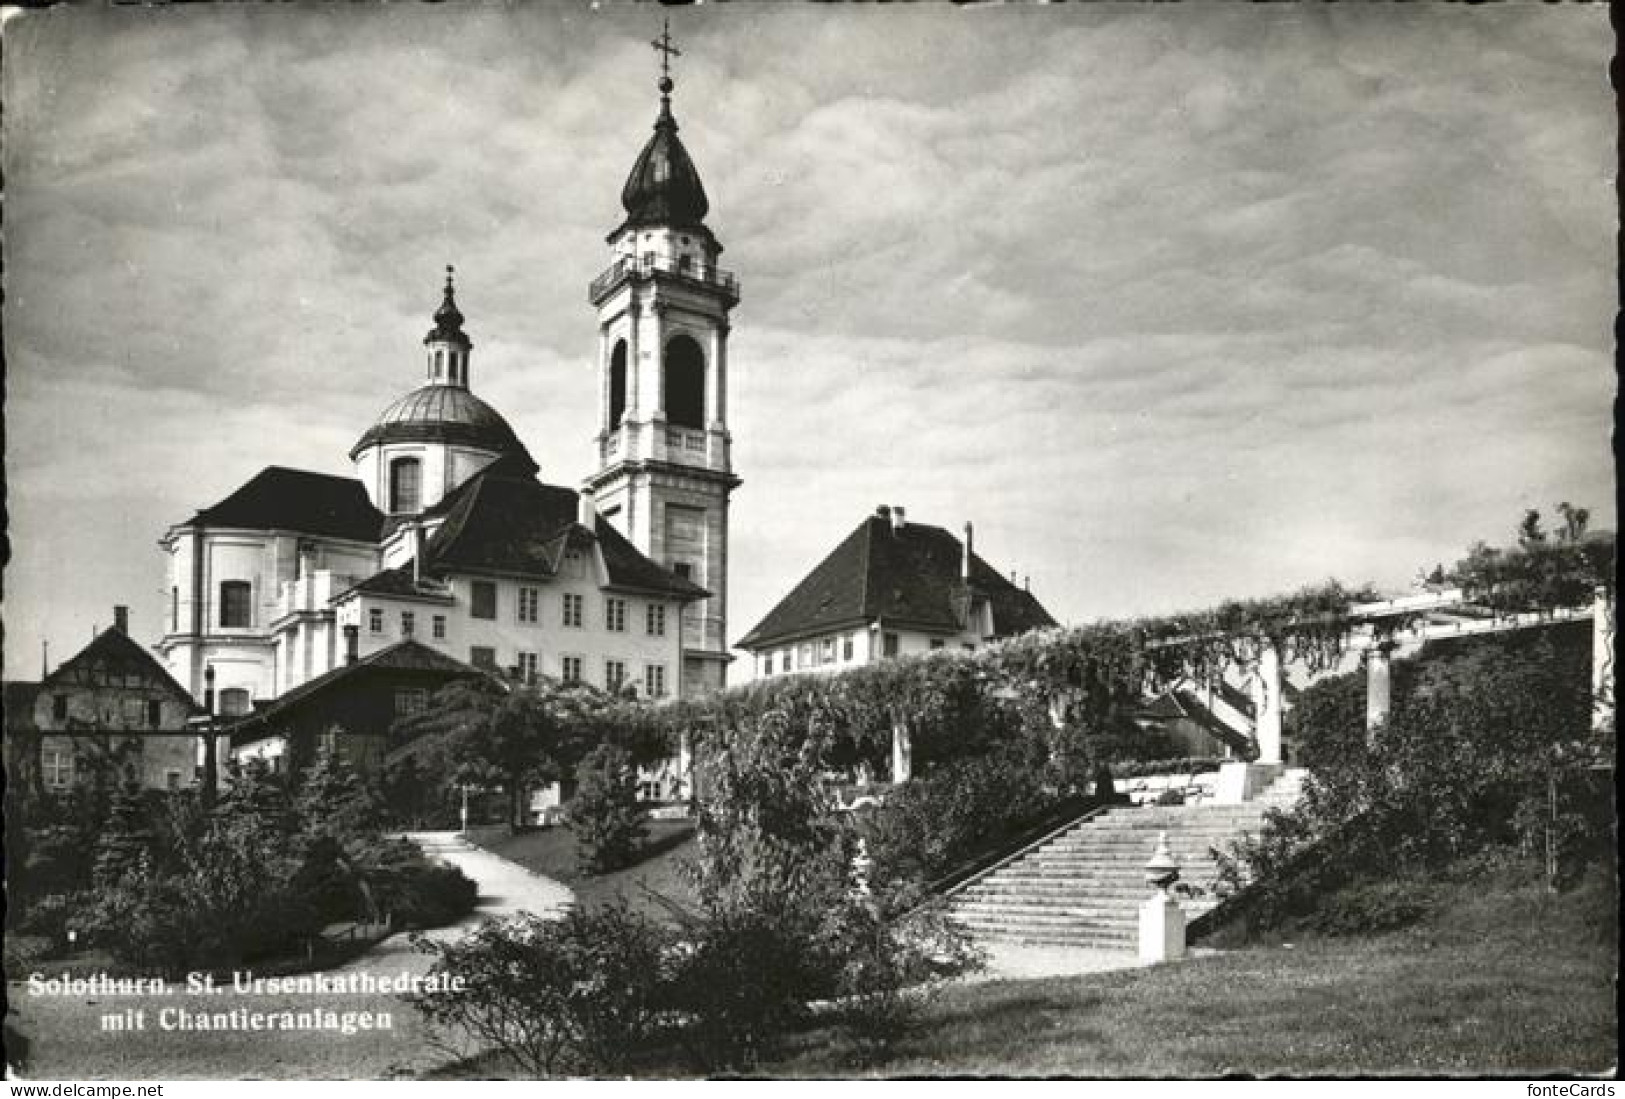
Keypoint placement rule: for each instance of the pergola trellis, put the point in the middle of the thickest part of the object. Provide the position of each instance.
(1376, 629)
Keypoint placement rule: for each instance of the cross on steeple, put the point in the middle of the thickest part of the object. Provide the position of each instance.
(667, 52)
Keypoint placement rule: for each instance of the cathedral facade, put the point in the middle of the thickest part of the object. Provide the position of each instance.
(446, 537)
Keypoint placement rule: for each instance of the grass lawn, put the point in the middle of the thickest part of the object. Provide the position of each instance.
(552, 853)
(1503, 978)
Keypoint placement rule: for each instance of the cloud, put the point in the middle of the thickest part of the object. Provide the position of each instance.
(1175, 304)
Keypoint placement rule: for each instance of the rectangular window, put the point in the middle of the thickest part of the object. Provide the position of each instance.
(236, 597)
(58, 768)
(529, 599)
(483, 599)
(133, 710)
(59, 707)
(657, 620)
(937, 643)
(806, 658)
(574, 605)
(888, 644)
(767, 664)
(483, 657)
(574, 567)
(375, 620)
(826, 653)
(527, 668)
(615, 615)
(410, 700)
(172, 780)
(155, 713)
(846, 647)
(784, 660)
(654, 681)
(614, 674)
(570, 667)
(439, 627)
(409, 623)
(683, 569)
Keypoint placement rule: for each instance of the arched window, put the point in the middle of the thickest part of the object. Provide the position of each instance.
(617, 384)
(405, 480)
(685, 383)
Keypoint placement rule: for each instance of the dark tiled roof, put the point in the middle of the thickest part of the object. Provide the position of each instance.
(299, 500)
(399, 581)
(405, 656)
(500, 522)
(904, 577)
(19, 702)
(664, 187)
(116, 649)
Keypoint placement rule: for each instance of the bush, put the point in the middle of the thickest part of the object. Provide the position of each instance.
(938, 820)
(605, 815)
(23, 952)
(425, 894)
(583, 993)
(1369, 907)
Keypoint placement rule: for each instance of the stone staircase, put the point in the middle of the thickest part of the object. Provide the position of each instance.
(1083, 885)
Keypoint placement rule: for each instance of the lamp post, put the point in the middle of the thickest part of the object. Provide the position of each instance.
(211, 764)
(465, 807)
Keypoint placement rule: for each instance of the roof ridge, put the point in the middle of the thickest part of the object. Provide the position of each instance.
(868, 542)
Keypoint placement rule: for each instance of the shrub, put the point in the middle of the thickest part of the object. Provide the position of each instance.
(605, 815)
(1368, 907)
(936, 821)
(23, 952)
(585, 993)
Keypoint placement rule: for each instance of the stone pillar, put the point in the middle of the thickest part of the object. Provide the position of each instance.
(1162, 921)
(902, 753)
(1379, 684)
(1267, 703)
(634, 363)
(1602, 659)
(685, 765)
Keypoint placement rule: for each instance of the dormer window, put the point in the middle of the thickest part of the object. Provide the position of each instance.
(405, 484)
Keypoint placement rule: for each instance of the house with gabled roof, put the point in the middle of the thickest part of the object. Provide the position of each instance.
(110, 714)
(350, 710)
(891, 588)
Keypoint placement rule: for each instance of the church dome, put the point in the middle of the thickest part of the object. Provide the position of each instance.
(664, 187)
(442, 414)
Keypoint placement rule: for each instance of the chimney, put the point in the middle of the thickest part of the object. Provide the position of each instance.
(587, 511)
(898, 518)
(208, 689)
(352, 642)
(964, 560)
(121, 620)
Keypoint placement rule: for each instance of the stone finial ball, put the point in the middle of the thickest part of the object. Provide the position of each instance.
(666, 85)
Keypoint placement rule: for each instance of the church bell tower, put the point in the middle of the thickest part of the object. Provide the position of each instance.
(664, 472)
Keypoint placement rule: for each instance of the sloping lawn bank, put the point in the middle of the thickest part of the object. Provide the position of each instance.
(552, 853)
(1502, 978)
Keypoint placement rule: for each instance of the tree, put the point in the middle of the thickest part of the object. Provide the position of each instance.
(482, 732)
(605, 815)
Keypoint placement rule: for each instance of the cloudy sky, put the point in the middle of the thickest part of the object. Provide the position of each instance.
(1175, 303)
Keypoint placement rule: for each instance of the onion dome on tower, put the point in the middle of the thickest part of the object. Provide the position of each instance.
(664, 187)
